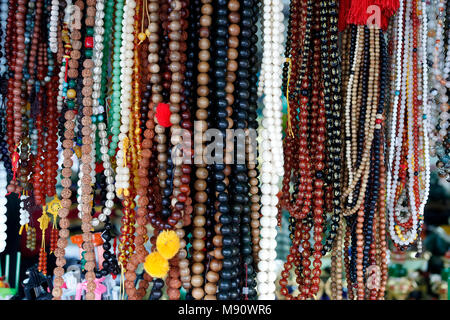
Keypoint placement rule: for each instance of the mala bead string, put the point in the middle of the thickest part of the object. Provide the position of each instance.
(126, 63)
(159, 137)
(67, 144)
(426, 107)
(142, 202)
(86, 151)
(53, 34)
(191, 16)
(123, 186)
(382, 224)
(242, 104)
(271, 145)
(3, 209)
(362, 173)
(181, 202)
(229, 282)
(409, 132)
(99, 103)
(332, 97)
(299, 11)
(252, 159)
(439, 90)
(204, 55)
(114, 109)
(15, 100)
(219, 181)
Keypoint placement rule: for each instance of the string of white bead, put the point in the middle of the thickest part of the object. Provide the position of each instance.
(100, 109)
(24, 214)
(126, 64)
(270, 146)
(262, 72)
(53, 30)
(393, 119)
(348, 115)
(3, 19)
(398, 133)
(3, 201)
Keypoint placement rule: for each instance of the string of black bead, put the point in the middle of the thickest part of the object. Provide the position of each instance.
(189, 96)
(110, 264)
(287, 51)
(4, 153)
(306, 48)
(332, 99)
(241, 179)
(219, 47)
(252, 116)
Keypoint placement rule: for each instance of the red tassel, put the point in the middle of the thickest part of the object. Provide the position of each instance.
(344, 8)
(358, 12)
(355, 12)
(163, 114)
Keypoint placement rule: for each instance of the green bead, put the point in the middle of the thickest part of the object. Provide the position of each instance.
(115, 131)
(88, 53)
(90, 31)
(72, 83)
(70, 103)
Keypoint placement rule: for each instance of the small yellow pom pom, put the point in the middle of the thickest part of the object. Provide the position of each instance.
(156, 266)
(168, 244)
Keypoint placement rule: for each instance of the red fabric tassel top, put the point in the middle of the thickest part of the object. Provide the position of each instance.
(360, 12)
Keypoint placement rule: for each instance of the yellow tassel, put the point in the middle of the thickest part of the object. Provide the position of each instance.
(168, 244)
(156, 265)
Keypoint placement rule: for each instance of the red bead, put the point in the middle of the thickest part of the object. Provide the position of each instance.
(89, 42)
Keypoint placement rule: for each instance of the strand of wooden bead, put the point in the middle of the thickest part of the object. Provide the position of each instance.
(359, 253)
(363, 170)
(86, 159)
(333, 277)
(67, 145)
(199, 289)
(339, 262)
(382, 224)
(175, 36)
(347, 113)
(357, 99)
